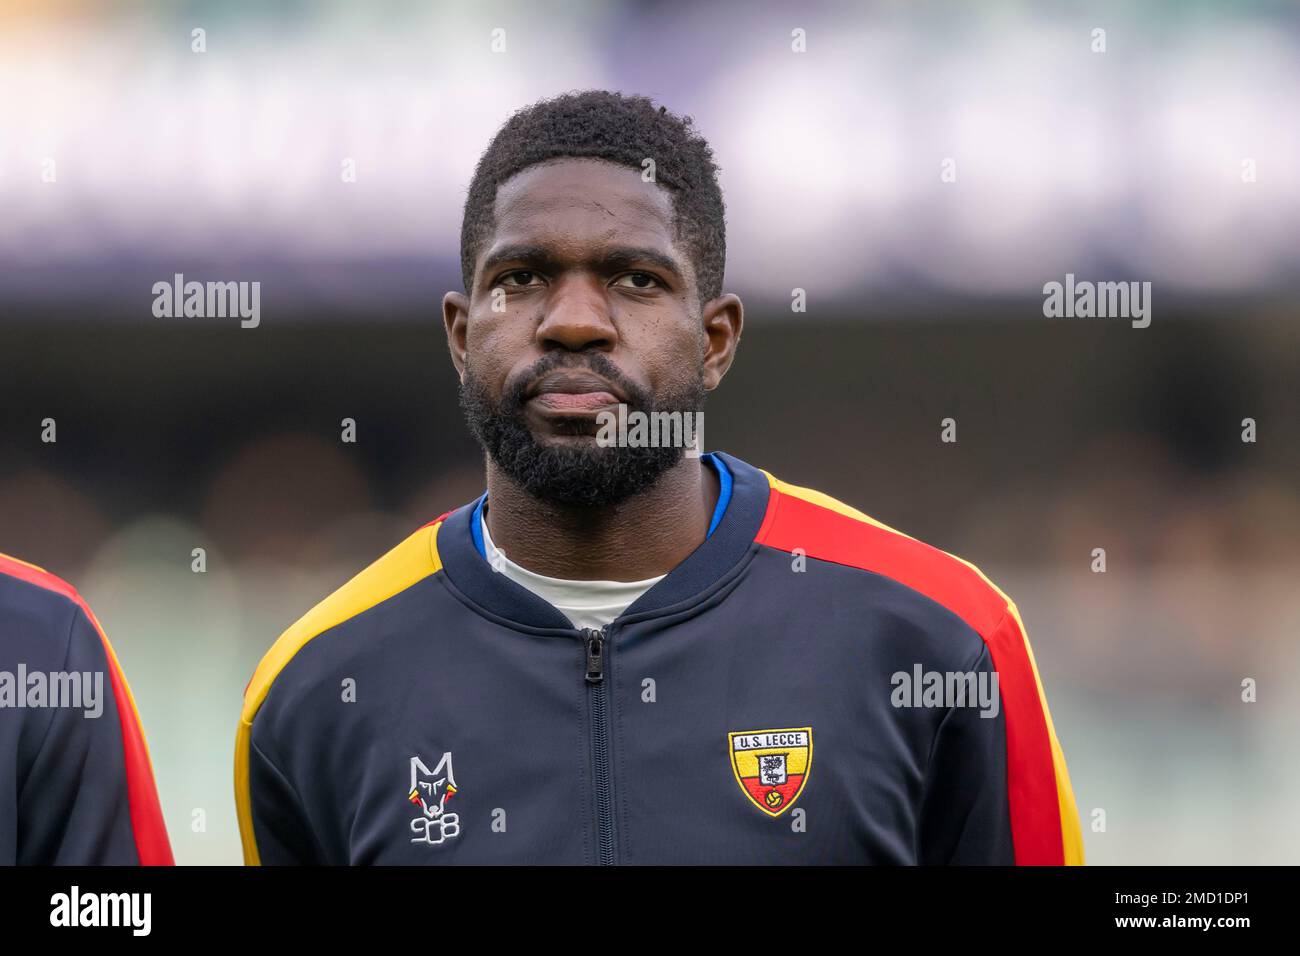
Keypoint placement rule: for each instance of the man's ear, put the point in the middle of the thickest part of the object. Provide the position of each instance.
(455, 316)
(724, 318)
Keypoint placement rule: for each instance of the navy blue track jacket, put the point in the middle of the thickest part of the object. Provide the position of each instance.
(808, 686)
(76, 785)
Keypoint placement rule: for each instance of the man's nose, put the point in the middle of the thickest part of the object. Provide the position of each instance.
(577, 316)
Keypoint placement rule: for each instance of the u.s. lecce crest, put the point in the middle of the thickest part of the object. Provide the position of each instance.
(771, 766)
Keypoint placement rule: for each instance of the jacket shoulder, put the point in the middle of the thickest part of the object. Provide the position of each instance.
(411, 561)
(37, 607)
(830, 530)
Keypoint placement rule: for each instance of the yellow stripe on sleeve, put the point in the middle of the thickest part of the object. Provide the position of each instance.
(411, 561)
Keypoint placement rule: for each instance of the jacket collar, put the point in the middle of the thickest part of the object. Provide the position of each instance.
(730, 543)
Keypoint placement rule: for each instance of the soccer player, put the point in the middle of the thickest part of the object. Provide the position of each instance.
(624, 652)
(76, 786)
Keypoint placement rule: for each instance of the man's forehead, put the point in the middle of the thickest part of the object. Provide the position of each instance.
(581, 198)
(581, 178)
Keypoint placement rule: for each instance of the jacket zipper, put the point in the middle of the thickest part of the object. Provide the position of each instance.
(595, 643)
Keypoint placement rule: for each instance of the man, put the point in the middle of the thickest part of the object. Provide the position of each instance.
(76, 785)
(623, 653)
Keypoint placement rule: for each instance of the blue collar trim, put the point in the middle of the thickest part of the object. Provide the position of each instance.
(724, 498)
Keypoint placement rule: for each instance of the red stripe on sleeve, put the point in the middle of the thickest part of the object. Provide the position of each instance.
(147, 824)
(1031, 774)
(792, 522)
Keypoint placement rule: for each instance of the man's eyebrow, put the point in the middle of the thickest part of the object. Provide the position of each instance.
(520, 252)
(626, 257)
(612, 259)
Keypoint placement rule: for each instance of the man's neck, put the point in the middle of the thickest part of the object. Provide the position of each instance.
(645, 536)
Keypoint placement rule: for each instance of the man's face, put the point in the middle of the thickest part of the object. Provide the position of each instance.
(582, 300)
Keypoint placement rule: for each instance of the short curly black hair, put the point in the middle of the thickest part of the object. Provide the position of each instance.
(621, 129)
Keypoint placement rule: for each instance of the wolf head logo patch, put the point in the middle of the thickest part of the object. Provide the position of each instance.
(771, 766)
(430, 790)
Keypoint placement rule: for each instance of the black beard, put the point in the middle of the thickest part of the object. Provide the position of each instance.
(583, 474)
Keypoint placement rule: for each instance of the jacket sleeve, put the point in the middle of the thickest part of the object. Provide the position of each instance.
(275, 830)
(88, 794)
(997, 788)
(965, 817)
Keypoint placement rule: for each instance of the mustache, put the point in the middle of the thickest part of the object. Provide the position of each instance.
(516, 389)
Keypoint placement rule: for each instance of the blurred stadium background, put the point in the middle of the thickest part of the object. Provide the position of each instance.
(924, 302)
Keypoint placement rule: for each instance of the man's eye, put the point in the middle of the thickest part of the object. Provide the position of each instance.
(638, 280)
(521, 277)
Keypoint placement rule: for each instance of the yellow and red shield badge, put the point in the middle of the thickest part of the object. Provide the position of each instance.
(772, 766)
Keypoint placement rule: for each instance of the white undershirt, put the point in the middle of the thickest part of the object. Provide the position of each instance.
(586, 603)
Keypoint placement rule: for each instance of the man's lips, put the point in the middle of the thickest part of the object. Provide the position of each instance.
(573, 401)
(572, 393)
